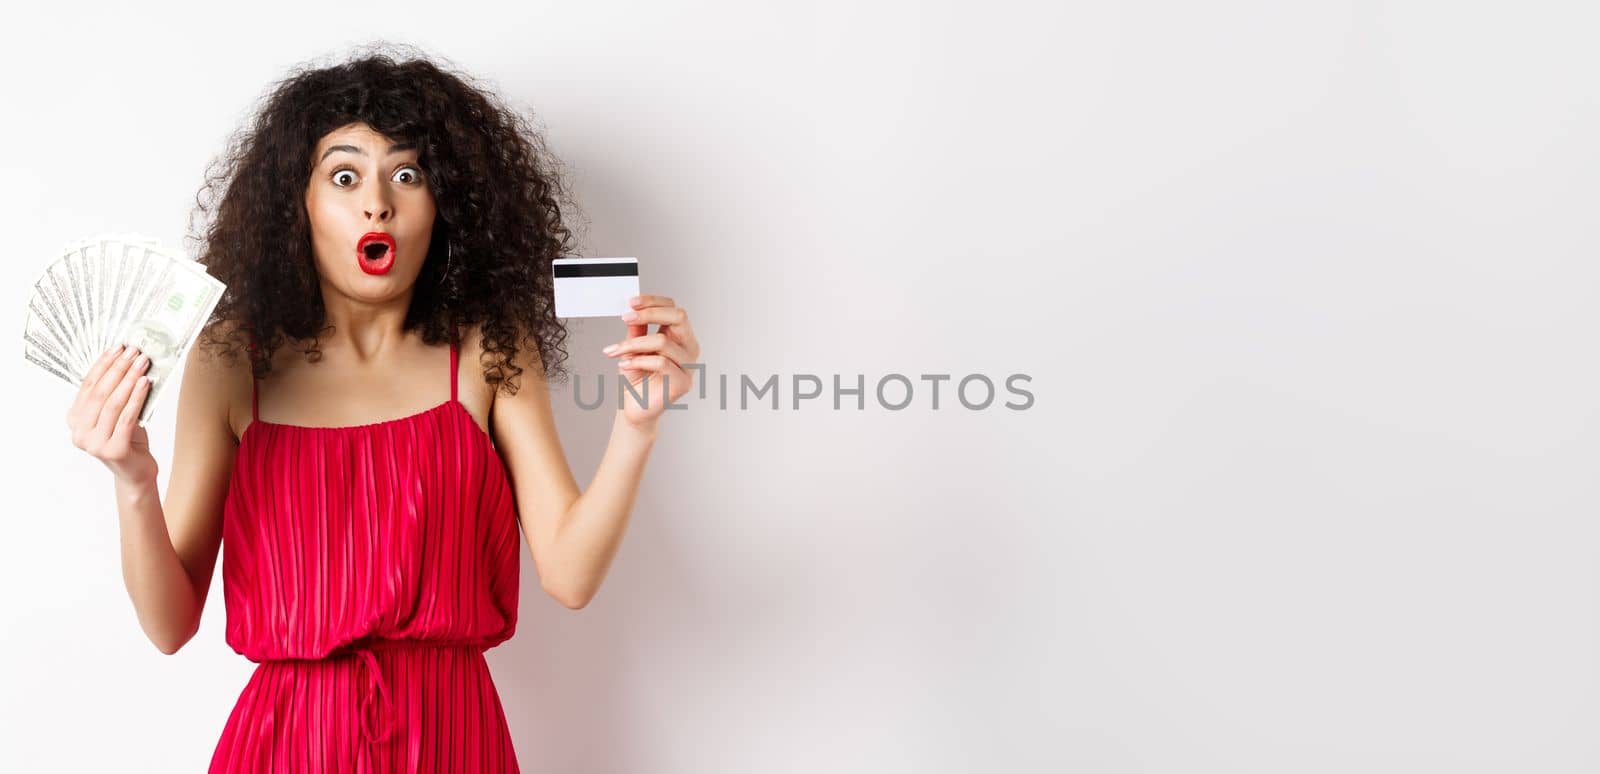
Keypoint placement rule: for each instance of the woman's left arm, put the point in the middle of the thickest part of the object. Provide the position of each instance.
(574, 536)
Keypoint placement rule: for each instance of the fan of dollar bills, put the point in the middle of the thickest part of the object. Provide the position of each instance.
(117, 289)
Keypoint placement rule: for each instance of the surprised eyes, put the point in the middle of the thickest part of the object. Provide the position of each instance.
(344, 177)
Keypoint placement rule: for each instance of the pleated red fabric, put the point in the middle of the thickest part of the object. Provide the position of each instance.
(366, 569)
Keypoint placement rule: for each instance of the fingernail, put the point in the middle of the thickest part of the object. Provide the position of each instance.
(610, 349)
(140, 361)
(624, 361)
(128, 353)
(635, 300)
(630, 315)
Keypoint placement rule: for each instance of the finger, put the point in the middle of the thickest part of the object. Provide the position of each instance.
(130, 413)
(653, 363)
(109, 380)
(661, 315)
(654, 343)
(678, 329)
(672, 350)
(683, 333)
(656, 364)
(643, 301)
(664, 316)
(88, 412)
(119, 397)
(673, 322)
(107, 358)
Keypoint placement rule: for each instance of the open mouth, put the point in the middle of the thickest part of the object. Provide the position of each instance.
(375, 252)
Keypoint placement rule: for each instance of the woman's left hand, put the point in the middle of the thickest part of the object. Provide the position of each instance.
(659, 356)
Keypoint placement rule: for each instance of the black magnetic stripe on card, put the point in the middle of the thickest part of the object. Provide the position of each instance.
(626, 269)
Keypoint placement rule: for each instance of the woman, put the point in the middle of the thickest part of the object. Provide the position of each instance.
(392, 222)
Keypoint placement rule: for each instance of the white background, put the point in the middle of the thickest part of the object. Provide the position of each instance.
(1307, 293)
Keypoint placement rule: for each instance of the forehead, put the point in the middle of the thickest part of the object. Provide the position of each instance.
(358, 135)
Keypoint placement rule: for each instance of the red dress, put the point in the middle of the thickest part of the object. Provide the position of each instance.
(366, 569)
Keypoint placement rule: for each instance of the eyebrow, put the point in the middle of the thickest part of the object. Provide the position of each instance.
(395, 148)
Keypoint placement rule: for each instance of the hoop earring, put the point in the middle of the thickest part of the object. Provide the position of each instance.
(448, 254)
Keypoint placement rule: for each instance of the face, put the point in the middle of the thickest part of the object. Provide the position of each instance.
(365, 191)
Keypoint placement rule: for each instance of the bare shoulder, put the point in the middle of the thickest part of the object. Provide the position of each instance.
(475, 393)
(220, 386)
(475, 388)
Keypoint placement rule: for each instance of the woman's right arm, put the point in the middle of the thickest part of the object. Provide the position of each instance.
(168, 553)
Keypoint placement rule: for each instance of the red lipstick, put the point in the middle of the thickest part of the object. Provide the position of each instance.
(375, 252)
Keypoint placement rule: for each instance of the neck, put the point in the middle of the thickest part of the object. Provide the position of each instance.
(364, 330)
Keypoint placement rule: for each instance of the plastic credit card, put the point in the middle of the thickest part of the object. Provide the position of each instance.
(595, 287)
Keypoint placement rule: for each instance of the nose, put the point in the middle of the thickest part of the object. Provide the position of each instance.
(377, 206)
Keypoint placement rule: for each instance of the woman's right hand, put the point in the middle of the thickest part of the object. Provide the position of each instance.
(105, 416)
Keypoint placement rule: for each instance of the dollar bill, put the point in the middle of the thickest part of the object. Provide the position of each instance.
(93, 263)
(76, 266)
(118, 289)
(175, 305)
(47, 350)
(50, 367)
(53, 291)
(122, 261)
(42, 325)
(122, 258)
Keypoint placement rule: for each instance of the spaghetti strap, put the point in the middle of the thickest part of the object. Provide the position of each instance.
(453, 367)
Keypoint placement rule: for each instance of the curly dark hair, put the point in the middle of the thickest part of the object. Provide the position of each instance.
(496, 188)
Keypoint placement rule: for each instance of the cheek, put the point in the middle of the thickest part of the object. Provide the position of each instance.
(425, 214)
(327, 216)
(317, 211)
(327, 227)
(425, 206)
